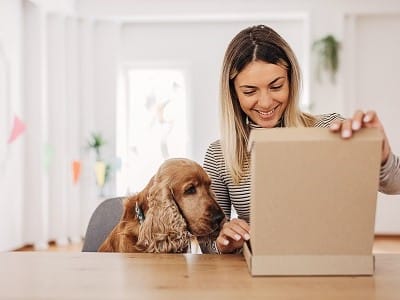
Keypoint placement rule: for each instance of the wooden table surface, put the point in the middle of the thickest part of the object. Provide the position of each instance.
(47, 275)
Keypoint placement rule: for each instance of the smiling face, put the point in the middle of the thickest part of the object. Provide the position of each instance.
(263, 92)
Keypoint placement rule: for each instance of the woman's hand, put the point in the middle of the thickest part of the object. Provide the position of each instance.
(233, 235)
(360, 120)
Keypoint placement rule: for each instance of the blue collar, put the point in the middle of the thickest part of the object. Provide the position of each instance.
(139, 213)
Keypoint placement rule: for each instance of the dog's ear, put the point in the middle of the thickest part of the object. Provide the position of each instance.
(109, 243)
(123, 235)
(106, 246)
(164, 229)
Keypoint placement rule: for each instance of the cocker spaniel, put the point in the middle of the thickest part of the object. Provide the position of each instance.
(176, 205)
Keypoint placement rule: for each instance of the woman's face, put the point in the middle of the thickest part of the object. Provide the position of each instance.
(263, 92)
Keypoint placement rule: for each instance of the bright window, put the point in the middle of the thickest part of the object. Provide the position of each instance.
(156, 124)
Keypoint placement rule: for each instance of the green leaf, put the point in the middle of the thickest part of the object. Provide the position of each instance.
(327, 51)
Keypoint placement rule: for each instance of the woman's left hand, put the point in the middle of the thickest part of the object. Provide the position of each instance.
(360, 120)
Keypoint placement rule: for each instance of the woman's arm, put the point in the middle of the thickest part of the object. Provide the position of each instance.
(213, 165)
(389, 177)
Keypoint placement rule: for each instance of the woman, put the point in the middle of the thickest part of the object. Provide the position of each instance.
(259, 87)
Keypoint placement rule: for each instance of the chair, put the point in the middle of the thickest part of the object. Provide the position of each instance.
(102, 222)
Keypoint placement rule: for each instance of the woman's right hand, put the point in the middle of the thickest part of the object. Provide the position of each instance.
(233, 235)
(360, 120)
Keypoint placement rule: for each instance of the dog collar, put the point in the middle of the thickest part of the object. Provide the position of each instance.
(139, 213)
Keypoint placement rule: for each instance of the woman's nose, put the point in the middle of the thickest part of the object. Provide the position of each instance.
(265, 99)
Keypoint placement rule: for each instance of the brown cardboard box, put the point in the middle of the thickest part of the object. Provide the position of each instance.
(313, 202)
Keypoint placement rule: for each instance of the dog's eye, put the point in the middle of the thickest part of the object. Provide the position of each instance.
(190, 190)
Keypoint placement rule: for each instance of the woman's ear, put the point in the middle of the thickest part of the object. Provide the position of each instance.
(164, 229)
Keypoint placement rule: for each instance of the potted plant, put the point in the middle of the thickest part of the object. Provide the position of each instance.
(96, 142)
(327, 56)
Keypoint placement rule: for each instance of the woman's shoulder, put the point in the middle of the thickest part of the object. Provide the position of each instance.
(215, 146)
(214, 150)
(325, 120)
(214, 159)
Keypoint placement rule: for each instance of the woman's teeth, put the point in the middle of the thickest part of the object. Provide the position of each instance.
(266, 113)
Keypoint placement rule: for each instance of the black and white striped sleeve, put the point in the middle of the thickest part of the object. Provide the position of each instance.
(389, 177)
(214, 166)
(326, 120)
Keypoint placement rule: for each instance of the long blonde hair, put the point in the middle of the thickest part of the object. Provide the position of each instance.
(254, 43)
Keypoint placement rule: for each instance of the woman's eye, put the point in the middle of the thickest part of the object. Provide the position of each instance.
(190, 190)
(274, 88)
(247, 93)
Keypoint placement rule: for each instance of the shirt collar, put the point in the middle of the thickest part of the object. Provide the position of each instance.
(253, 125)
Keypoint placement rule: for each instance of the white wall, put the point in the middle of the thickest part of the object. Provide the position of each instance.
(325, 17)
(11, 155)
(372, 82)
(60, 6)
(35, 108)
(54, 93)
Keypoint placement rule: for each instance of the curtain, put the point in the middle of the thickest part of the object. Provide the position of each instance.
(63, 104)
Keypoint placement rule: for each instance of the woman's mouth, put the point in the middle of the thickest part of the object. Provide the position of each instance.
(266, 114)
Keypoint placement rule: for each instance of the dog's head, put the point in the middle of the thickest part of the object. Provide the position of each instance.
(180, 201)
(189, 187)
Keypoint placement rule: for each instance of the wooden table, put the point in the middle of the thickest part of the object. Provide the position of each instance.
(55, 275)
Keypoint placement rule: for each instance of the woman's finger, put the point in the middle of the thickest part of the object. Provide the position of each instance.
(346, 128)
(370, 117)
(236, 230)
(357, 121)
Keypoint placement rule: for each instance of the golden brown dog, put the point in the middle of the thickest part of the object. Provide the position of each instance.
(175, 205)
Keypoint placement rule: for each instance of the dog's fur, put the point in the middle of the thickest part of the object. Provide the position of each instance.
(177, 204)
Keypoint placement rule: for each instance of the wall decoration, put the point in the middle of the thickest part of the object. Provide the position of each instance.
(76, 171)
(48, 156)
(116, 164)
(100, 169)
(18, 128)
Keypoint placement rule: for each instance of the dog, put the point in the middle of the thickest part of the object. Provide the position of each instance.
(176, 205)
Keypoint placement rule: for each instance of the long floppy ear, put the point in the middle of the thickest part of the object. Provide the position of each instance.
(124, 235)
(164, 229)
(114, 241)
(107, 245)
(117, 241)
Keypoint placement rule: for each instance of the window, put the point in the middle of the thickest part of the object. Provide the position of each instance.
(156, 124)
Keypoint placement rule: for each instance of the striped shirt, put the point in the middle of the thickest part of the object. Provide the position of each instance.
(237, 196)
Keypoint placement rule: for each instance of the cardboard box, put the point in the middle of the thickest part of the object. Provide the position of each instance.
(313, 202)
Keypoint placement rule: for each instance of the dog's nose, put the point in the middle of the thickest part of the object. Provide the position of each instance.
(218, 218)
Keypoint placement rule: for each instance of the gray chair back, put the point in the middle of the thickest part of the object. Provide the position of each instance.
(102, 222)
